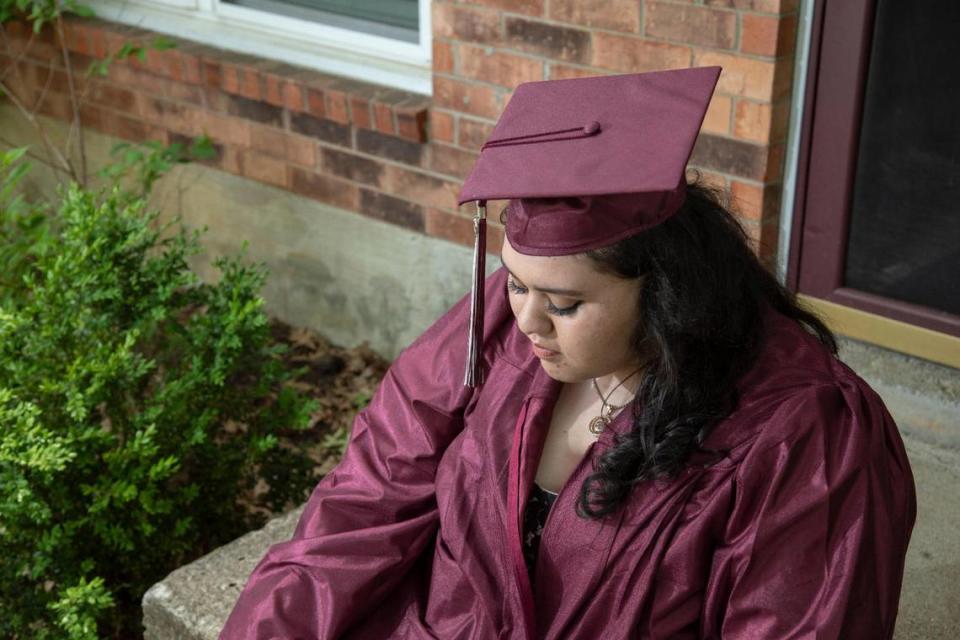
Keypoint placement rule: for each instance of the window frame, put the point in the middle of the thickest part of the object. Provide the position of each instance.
(330, 49)
(833, 107)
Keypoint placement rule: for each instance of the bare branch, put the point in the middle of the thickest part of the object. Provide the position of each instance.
(76, 125)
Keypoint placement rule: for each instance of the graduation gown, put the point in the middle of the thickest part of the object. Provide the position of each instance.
(800, 531)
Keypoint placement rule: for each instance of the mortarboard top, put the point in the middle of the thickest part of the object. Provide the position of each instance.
(586, 163)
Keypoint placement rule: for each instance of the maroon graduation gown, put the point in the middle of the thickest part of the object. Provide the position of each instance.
(800, 531)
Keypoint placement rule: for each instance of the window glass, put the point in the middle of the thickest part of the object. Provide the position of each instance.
(904, 240)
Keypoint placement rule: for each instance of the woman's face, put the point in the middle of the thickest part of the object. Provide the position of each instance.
(581, 319)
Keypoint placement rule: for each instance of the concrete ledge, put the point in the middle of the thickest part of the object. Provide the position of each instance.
(923, 396)
(193, 602)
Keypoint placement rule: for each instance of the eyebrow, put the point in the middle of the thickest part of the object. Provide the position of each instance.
(573, 293)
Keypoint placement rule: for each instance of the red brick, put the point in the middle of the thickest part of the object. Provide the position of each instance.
(472, 133)
(496, 67)
(468, 24)
(449, 226)
(764, 6)
(633, 55)
(768, 35)
(165, 63)
(616, 15)
(442, 57)
(383, 118)
(717, 119)
(126, 128)
(99, 46)
(175, 116)
(747, 199)
(301, 150)
(412, 124)
(441, 126)
(731, 156)
(250, 84)
(324, 188)
(393, 210)
(273, 89)
(76, 37)
(458, 228)
(226, 129)
(752, 121)
(526, 7)
(190, 66)
(57, 80)
(565, 71)
(293, 96)
(451, 161)
(758, 34)
(263, 168)
(787, 35)
(775, 159)
(336, 106)
(212, 73)
(465, 97)
(55, 105)
(551, 41)
(782, 78)
(216, 100)
(351, 166)
(115, 98)
(126, 76)
(420, 187)
(780, 120)
(91, 116)
(494, 238)
(316, 106)
(744, 77)
(360, 114)
(231, 160)
(268, 140)
(695, 25)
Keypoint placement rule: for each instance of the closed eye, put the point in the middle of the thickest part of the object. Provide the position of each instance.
(551, 308)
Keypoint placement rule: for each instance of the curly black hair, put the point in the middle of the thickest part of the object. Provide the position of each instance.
(702, 297)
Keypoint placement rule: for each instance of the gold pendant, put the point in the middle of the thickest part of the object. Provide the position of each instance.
(598, 424)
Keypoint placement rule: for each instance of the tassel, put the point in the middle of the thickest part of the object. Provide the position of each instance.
(474, 373)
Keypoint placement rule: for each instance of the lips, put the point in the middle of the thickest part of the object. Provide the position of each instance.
(543, 352)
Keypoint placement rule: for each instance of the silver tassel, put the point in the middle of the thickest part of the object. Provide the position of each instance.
(474, 373)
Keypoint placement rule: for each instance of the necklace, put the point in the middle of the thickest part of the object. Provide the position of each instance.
(598, 424)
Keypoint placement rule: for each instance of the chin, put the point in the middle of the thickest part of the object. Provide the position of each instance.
(560, 374)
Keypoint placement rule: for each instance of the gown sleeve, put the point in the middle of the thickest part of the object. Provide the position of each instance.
(370, 518)
(818, 532)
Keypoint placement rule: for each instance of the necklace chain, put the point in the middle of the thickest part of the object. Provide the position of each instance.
(598, 424)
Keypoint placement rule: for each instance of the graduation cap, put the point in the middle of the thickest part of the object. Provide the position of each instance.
(585, 163)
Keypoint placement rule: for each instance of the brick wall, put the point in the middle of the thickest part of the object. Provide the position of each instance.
(485, 47)
(400, 157)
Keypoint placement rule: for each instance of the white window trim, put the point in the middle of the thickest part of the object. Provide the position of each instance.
(344, 52)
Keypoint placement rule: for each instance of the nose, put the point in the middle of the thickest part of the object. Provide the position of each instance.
(532, 318)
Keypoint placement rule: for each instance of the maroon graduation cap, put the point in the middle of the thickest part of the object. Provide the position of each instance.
(585, 163)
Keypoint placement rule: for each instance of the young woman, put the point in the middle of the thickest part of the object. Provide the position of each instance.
(656, 442)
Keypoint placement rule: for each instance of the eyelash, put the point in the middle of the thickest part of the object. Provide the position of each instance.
(557, 311)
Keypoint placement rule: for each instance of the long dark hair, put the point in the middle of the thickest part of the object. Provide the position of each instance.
(702, 296)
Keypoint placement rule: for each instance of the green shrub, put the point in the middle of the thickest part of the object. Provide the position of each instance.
(137, 406)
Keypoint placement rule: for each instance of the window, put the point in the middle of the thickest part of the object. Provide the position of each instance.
(384, 42)
(878, 200)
